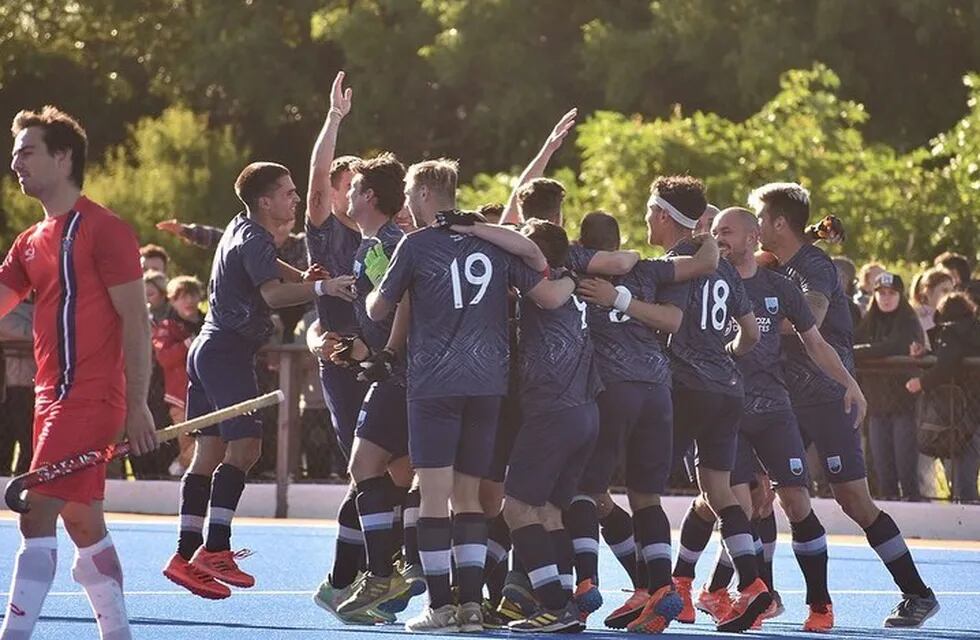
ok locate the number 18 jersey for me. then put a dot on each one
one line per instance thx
(458, 342)
(697, 349)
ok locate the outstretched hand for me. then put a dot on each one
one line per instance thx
(340, 98)
(561, 130)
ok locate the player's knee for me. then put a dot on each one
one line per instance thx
(401, 472)
(855, 500)
(366, 464)
(551, 517)
(38, 523)
(519, 514)
(703, 509)
(795, 502)
(642, 500)
(243, 453)
(604, 504)
(84, 529)
(491, 498)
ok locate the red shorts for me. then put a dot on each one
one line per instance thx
(69, 427)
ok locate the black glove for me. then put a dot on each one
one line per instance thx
(447, 219)
(377, 367)
(343, 355)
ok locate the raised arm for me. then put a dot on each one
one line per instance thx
(318, 195)
(538, 164)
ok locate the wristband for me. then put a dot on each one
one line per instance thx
(623, 299)
(319, 287)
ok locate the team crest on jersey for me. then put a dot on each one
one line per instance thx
(834, 464)
(796, 466)
(772, 305)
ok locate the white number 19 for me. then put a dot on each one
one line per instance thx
(481, 280)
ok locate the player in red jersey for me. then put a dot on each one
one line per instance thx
(92, 346)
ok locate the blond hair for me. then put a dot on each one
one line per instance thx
(184, 284)
(438, 175)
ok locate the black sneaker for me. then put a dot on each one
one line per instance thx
(913, 610)
(543, 620)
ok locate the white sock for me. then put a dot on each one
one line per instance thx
(97, 569)
(33, 575)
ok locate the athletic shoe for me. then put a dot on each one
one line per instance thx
(519, 592)
(397, 605)
(329, 598)
(683, 587)
(511, 610)
(492, 618)
(587, 598)
(820, 618)
(182, 572)
(749, 605)
(221, 565)
(550, 621)
(441, 620)
(413, 575)
(775, 609)
(717, 603)
(371, 592)
(630, 610)
(469, 616)
(662, 607)
(913, 610)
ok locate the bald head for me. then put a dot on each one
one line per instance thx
(740, 216)
(737, 232)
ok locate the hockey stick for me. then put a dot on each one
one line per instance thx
(15, 497)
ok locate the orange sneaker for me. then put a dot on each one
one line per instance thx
(821, 618)
(662, 607)
(750, 604)
(587, 598)
(683, 587)
(717, 603)
(221, 565)
(630, 610)
(182, 572)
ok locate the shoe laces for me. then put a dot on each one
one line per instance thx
(906, 606)
(242, 553)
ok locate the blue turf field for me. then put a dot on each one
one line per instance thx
(290, 560)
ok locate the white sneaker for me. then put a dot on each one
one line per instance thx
(441, 620)
(469, 616)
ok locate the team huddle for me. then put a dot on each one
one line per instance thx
(486, 378)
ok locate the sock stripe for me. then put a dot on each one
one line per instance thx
(189, 522)
(813, 547)
(769, 550)
(688, 555)
(543, 575)
(349, 535)
(470, 555)
(435, 563)
(377, 521)
(891, 550)
(657, 550)
(221, 515)
(740, 544)
(496, 551)
(410, 516)
(585, 545)
(625, 548)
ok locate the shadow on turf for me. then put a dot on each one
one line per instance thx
(163, 622)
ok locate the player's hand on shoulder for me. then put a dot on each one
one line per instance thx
(456, 221)
(597, 291)
(140, 430)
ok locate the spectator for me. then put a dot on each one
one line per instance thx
(866, 283)
(17, 408)
(928, 288)
(889, 329)
(958, 265)
(172, 338)
(847, 274)
(957, 336)
(156, 295)
(154, 258)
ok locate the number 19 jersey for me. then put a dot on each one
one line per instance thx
(697, 349)
(458, 342)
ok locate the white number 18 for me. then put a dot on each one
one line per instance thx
(481, 280)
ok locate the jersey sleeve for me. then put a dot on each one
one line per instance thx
(819, 275)
(398, 276)
(259, 260)
(521, 276)
(117, 253)
(797, 310)
(658, 272)
(579, 258)
(12, 272)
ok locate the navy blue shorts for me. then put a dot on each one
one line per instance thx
(550, 454)
(710, 421)
(383, 419)
(220, 373)
(457, 431)
(344, 396)
(635, 425)
(839, 444)
(772, 439)
(510, 424)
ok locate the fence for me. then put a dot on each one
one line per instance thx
(881, 376)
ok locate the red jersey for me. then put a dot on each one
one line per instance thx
(70, 262)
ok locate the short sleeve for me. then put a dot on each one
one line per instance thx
(579, 258)
(12, 272)
(398, 277)
(818, 276)
(659, 272)
(259, 259)
(797, 310)
(522, 277)
(117, 253)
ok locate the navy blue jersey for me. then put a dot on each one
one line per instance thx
(458, 342)
(579, 258)
(697, 349)
(375, 334)
(814, 272)
(774, 297)
(626, 349)
(332, 246)
(557, 366)
(244, 260)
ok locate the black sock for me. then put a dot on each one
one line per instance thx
(470, 554)
(564, 559)
(374, 509)
(435, 551)
(195, 493)
(349, 549)
(887, 541)
(737, 537)
(760, 554)
(695, 534)
(617, 531)
(410, 519)
(533, 546)
(653, 539)
(766, 528)
(722, 574)
(227, 485)
(582, 523)
(397, 499)
(498, 551)
(810, 549)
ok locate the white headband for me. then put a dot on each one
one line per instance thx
(672, 211)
